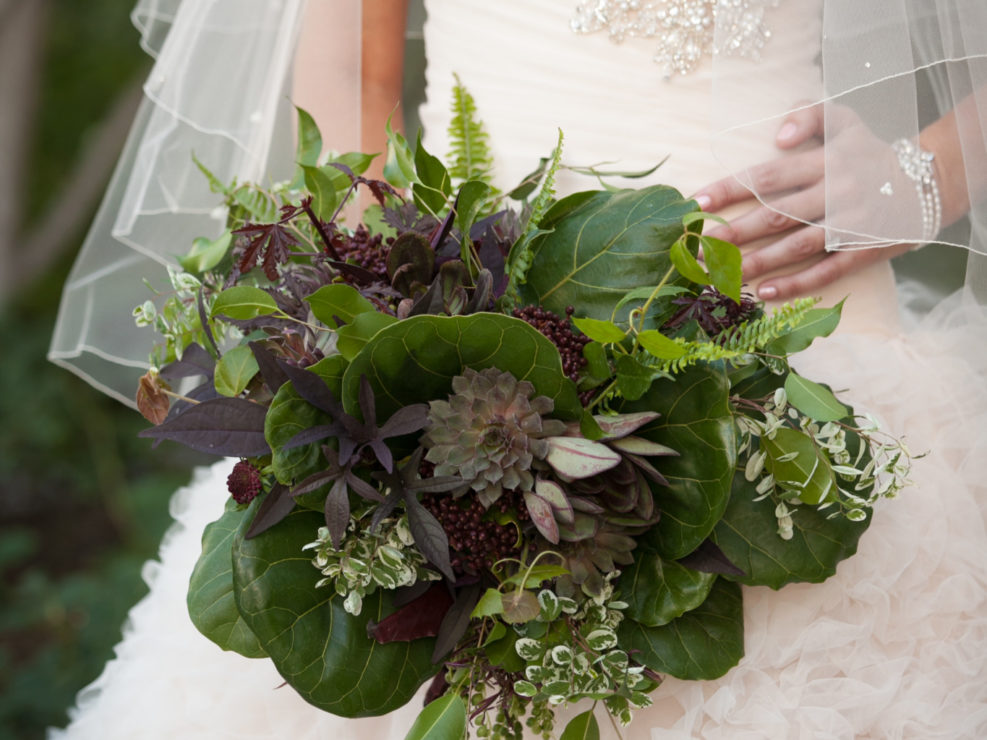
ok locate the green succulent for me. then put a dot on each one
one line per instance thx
(490, 433)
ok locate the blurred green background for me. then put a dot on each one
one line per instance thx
(83, 502)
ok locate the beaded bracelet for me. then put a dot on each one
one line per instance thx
(916, 163)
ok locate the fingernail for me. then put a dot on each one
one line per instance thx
(704, 201)
(787, 131)
(767, 292)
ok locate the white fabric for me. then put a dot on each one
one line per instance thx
(216, 91)
(894, 646)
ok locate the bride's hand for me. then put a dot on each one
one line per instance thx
(798, 182)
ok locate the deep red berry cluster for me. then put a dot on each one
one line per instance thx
(559, 332)
(366, 250)
(476, 541)
(244, 482)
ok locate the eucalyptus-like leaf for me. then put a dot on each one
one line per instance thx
(442, 719)
(723, 262)
(338, 302)
(813, 399)
(320, 185)
(320, 649)
(243, 302)
(235, 370)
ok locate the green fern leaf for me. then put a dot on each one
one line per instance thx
(469, 155)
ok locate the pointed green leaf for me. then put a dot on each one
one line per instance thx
(723, 262)
(243, 302)
(235, 370)
(818, 322)
(309, 140)
(442, 719)
(604, 332)
(633, 378)
(206, 253)
(415, 360)
(320, 185)
(702, 644)
(338, 300)
(472, 198)
(582, 727)
(490, 604)
(657, 591)
(316, 646)
(814, 400)
(211, 605)
(433, 186)
(687, 264)
(596, 361)
(399, 167)
(600, 245)
(808, 475)
(660, 346)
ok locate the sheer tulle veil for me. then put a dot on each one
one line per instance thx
(220, 89)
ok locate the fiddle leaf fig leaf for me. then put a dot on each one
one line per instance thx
(657, 591)
(243, 302)
(235, 370)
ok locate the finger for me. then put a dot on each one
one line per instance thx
(799, 126)
(824, 272)
(778, 175)
(792, 249)
(798, 208)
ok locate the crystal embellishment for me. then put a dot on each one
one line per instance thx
(684, 29)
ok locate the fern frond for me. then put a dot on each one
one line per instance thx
(743, 340)
(469, 155)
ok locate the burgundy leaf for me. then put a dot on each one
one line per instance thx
(362, 488)
(317, 480)
(383, 453)
(274, 376)
(437, 688)
(310, 435)
(232, 427)
(445, 227)
(429, 536)
(337, 511)
(419, 618)
(276, 506)
(273, 240)
(195, 361)
(709, 558)
(455, 622)
(361, 274)
(312, 388)
(347, 448)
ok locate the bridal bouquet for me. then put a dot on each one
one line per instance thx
(525, 452)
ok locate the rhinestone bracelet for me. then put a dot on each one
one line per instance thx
(916, 163)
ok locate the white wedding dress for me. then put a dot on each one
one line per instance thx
(893, 646)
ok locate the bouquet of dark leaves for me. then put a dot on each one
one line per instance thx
(524, 448)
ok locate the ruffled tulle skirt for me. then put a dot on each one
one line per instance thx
(893, 646)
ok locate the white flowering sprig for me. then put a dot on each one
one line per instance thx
(385, 557)
(881, 474)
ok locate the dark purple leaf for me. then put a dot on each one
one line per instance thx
(232, 427)
(647, 468)
(480, 301)
(367, 402)
(455, 622)
(429, 536)
(383, 454)
(317, 480)
(445, 227)
(312, 434)
(272, 240)
(274, 376)
(277, 504)
(440, 484)
(337, 511)
(362, 488)
(419, 618)
(386, 507)
(437, 688)
(347, 448)
(709, 558)
(313, 389)
(360, 274)
(195, 361)
(406, 594)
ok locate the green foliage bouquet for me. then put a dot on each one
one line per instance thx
(531, 451)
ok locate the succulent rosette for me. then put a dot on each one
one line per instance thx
(527, 453)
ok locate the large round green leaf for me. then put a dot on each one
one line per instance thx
(657, 591)
(323, 652)
(696, 422)
(290, 414)
(747, 534)
(415, 360)
(600, 245)
(210, 593)
(701, 644)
